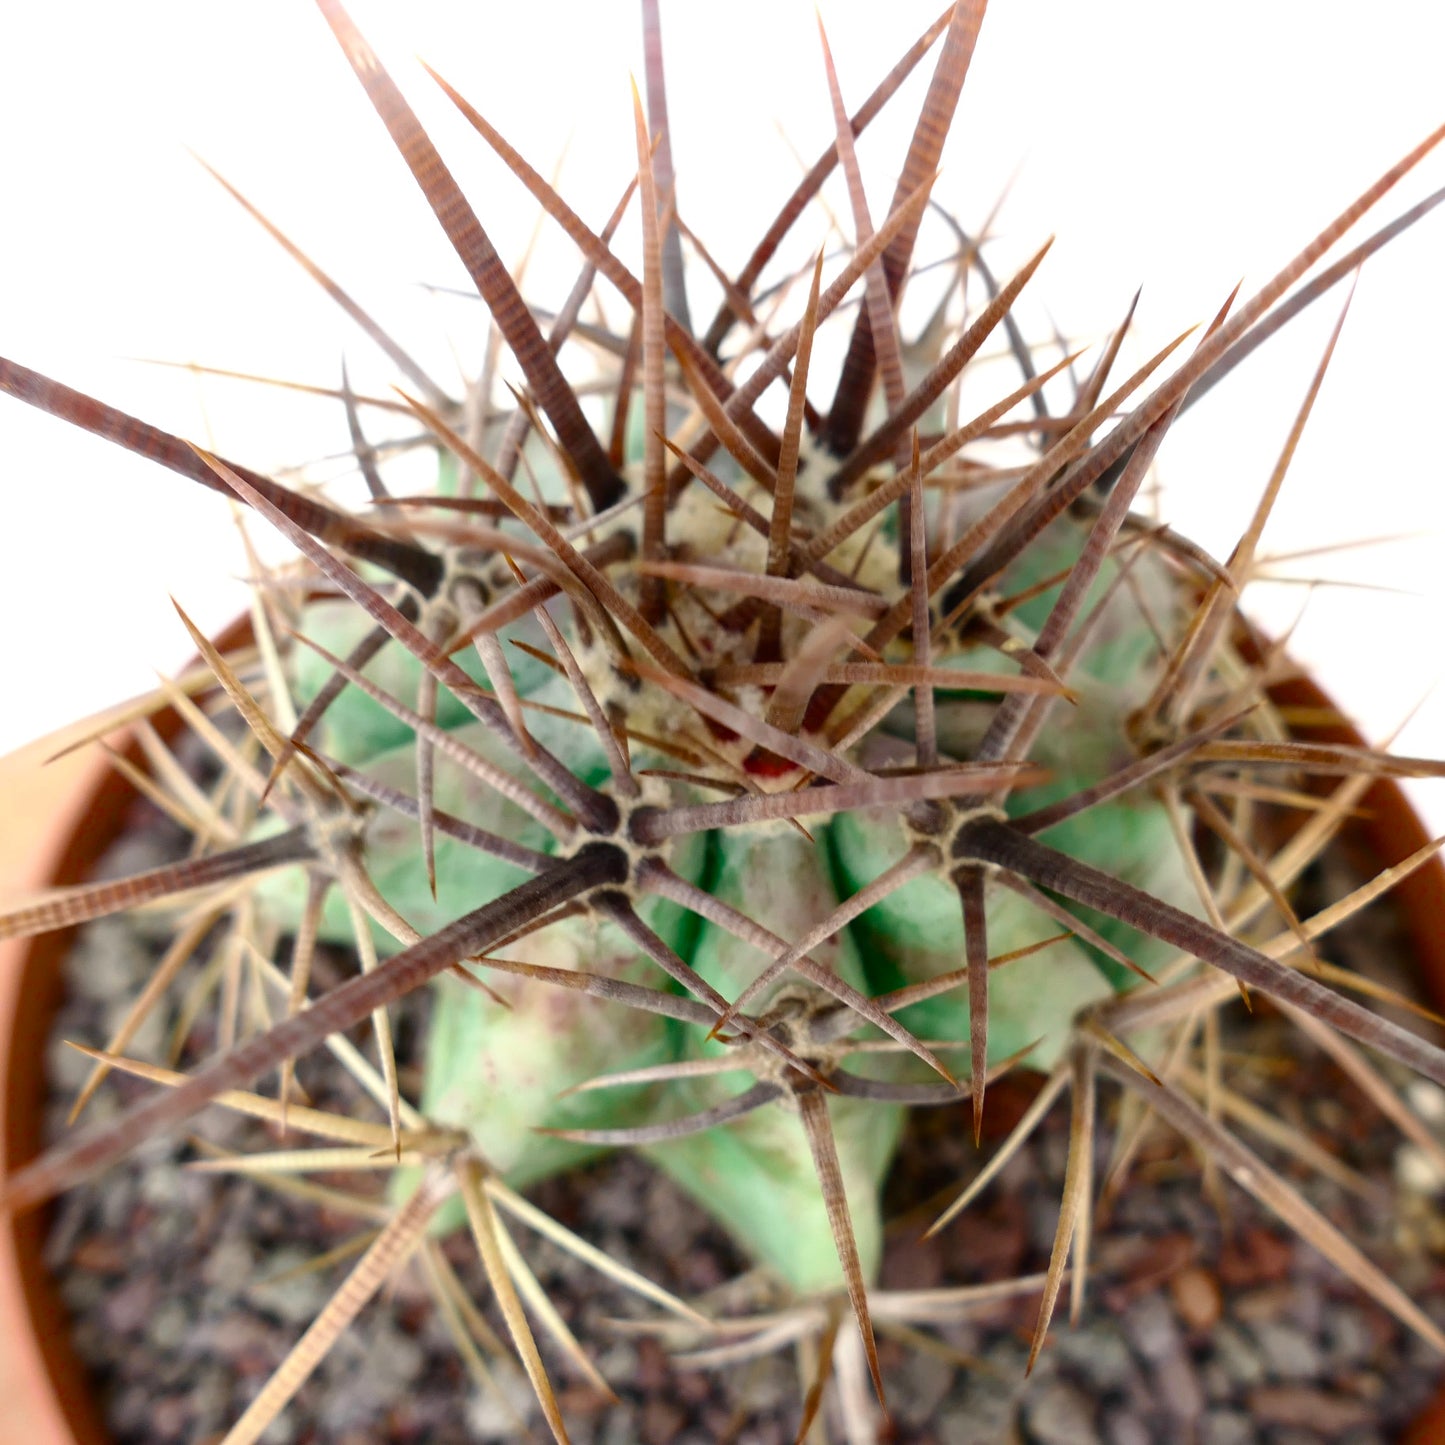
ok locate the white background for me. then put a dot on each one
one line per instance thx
(1177, 147)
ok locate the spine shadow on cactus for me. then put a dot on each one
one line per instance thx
(754, 987)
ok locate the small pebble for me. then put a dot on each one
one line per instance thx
(171, 1417)
(160, 1183)
(1427, 1099)
(1418, 1172)
(1219, 1386)
(1099, 1354)
(1180, 1390)
(1346, 1336)
(961, 1425)
(1197, 1299)
(1261, 1305)
(288, 1291)
(617, 1362)
(1255, 1256)
(495, 1414)
(1123, 1427)
(230, 1266)
(1307, 1309)
(1059, 1413)
(128, 1306)
(1289, 1353)
(661, 1422)
(167, 1327)
(1151, 1329)
(99, 1255)
(1306, 1409)
(1227, 1427)
(619, 1429)
(922, 1382)
(105, 962)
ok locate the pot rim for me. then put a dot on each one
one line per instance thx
(55, 1403)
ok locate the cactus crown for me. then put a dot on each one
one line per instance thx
(744, 785)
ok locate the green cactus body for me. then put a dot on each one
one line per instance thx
(756, 1175)
(357, 728)
(505, 1066)
(916, 934)
(394, 858)
(496, 1069)
(502, 1072)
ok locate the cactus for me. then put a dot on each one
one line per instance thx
(740, 785)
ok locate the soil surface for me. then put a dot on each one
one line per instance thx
(1216, 1327)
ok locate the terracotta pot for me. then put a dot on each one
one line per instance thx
(66, 818)
(79, 806)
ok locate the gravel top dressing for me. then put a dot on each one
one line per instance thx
(187, 1289)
